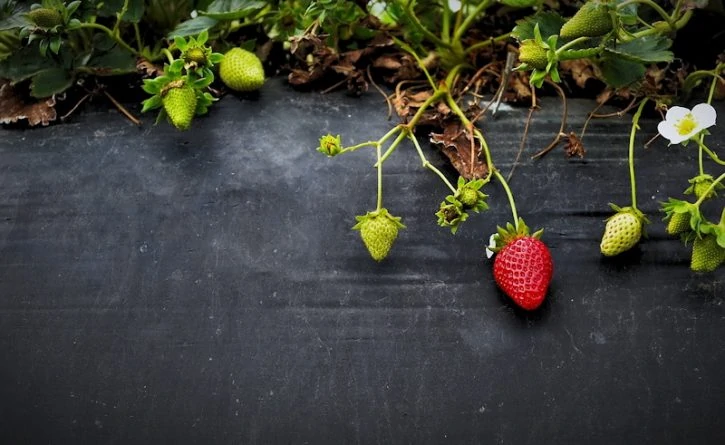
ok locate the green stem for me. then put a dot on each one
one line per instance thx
(168, 55)
(457, 110)
(110, 34)
(486, 43)
(709, 101)
(487, 153)
(139, 43)
(635, 127)
(379, 166)
(392, 147)
(674, 26)
(119, 15)
(710, 153)
(428, 165)
(458, 32)
(428, 102)
(709, 189)
(669, 19)
(510, 196)
(571, 44)
(361, 145)
(408, 10)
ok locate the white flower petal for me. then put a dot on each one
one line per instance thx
(491, 243)
(674, 114)
(705, 115)
(668, 131)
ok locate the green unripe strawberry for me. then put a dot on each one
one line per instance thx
(196, 55)
(678, 223)
(592, 20)
(468, 197)
(45, 17)
(707, 254)
(622, 232)
(533, 54)
(378, 230)
(180, 105)
(241, 70)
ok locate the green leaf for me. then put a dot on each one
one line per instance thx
(647, 49)
(628, 14)
(521, 3)
(193, 27)
(113, 62)
(15, 17)
(232, 9)
(181, 43)
(151, 103)
(133, 14)
(550, 24)
(24, 64)
(619, 72)
(49, 82)
(55, 42)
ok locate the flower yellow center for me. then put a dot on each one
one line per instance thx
(686, 125)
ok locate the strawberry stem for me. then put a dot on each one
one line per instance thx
(428, 165)
(710, 153)
(701, 140)
(709, 189)
(510, 196)
(379, 166)
(635, 127)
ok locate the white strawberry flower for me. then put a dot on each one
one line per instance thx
(454, 5)
(491, 244)
(681, 124)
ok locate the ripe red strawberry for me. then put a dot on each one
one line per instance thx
(523, 267)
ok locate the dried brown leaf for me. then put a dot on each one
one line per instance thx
(574, 146)
(581, 70)
(147, 68)
(13, 108)
(456, 144)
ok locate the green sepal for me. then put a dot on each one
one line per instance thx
(510, 233)
(673, 206)
(451, 214)
(383, 212)
(636, 212)
(706, 178)
(152, 103)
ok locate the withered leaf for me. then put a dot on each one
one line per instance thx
(461, 149)
(574, 146)
(581, 70)
(147, 68)
(13, 108)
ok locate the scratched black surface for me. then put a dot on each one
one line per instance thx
(204, 287)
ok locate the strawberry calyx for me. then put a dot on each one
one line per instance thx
(510, 233)
(700, 184)
(380, 213)
(674, 207)
(631, 210)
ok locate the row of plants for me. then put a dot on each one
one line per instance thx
(440, 59)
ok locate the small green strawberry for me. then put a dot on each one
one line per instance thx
(533, 54)
(699, 185)
(707, 254)
(622, 231)
(45, 17)
(180, 104)
(378, 230)
(241, 70)
(592, 20)
(678, 223)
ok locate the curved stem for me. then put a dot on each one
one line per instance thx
(428, 102)
(169, 56)
(119, 16)
(652, 5)
(710, 153)
(458, 33)
(139, 42)
(510, 196)
(486, 152)
(428, 165)
(392, 148)
(635, 127)
(674, 26)
(486, 43)
(408, 10)
(110, 34)
(706, 193)
(379, 166)
(361, 145)
(709, 100)
(571, 44)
